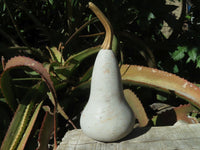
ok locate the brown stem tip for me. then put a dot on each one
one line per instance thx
(107, 43)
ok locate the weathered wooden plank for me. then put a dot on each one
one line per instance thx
(180, 137)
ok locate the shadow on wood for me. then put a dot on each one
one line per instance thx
(179, 137)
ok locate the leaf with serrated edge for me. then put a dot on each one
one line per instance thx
(137, 107)
(45, 130)
(182, 113)
(161, 80)
(14, 128)
(38, 67)
(29, 127)
(176, 114)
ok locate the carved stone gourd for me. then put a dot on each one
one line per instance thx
(107, 116)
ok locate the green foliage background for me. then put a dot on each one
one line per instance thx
(29, 27)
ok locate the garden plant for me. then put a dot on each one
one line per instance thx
(48, 49)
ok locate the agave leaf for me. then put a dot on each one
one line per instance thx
(161, 80)
(87, 75)
(38, 67)
(58, 106)
(46, 129)
(17, 127)
(20, 116)
(61, 111)
(73, 61)
(5, 119)
(7, 90)
(56, 55)
(136, 107)
(180, 113)
(114, 44)
(61, 72)
(29, 127)
(28, 62)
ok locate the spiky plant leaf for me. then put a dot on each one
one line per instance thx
(161, 80)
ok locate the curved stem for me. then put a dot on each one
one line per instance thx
(107, 43)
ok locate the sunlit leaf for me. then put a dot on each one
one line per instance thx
(74, 61)
(192, 55)
(56, 55)
(136, 107)
(179, 53)
(161, 80)
(51, 2)
(198, 62)
(175, 69)
(17, 127)
(29, 127)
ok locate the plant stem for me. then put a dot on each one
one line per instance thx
(107, 43)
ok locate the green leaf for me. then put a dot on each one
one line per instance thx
(61, 71)
(51, 2)
(17, 127)
(151, 16)
(56, 55)
(87, 75)
(7, 90)
(29, 127)
(179, 53)
(74, 61)
(192, 55)
(188, 17)
(114, 44)
(198, 62)
(5, 119)
(161, 97)
(18, 124)
(175, 69)
(83, 54)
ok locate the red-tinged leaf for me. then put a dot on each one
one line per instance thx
(35, 65)
(170, 117)
(17, 62)
(38, 67)
(161, 80)
(46, 129)
(182, 113)
(137, 107)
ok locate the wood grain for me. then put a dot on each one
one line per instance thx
(179, 137)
